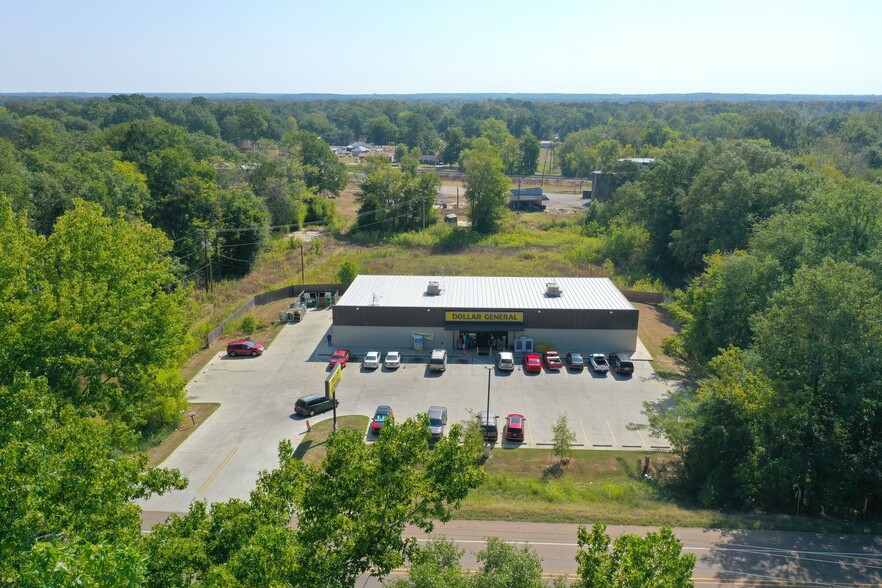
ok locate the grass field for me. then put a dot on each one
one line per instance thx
(312, 447)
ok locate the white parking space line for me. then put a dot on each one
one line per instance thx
(611, 433)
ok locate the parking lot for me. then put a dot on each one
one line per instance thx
(223, 457)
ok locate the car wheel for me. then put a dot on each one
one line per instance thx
(232, 353)
(312, 413)
(253, 354)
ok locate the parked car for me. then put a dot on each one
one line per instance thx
(532, 363)
(340, 356)
(313, 404)
(243, 347)
(437, 421)
(383, 414)
(514, 427)
(505, 361)
(621, 363)
(487, 424)
(598, 363)
(392, 361)
(438, 360)
(575, 361)
(371, 360)
(552, 360)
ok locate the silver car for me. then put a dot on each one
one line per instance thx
(392, 361)
(437, 421)
(371, 360)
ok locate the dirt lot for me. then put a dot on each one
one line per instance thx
(656, 326)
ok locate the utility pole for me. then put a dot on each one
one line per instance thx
(424, 212)
(302, 279)
(206, 260)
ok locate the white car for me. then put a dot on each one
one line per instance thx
(506, 361)
(598, 363)
(392, 361)
(371, 360)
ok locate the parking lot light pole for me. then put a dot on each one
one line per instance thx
(489, 371)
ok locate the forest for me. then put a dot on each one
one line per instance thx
(760, 220)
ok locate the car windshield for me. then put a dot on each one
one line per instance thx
(433, 422)
(380, 418)
(392, 356)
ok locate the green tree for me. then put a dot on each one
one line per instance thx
(563, 438)
(528, 151)
(722, 431)
(392, 201)
(246, 230)
(381, 131)
(351, 513)
(716, 308)
(252, 122)
(454, 143)
(833, 423)
(97, 285)
(323, 171)
(487, 190)
(437, 565)
(635, 562)
(347, 273)
(416, 130)
(66, 510)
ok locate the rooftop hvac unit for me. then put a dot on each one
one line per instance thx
(434, 289)
(552, 290)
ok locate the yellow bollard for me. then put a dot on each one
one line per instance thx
(308, 428)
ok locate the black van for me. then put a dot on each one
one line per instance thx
(314, 403)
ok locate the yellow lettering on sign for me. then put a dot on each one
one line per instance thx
(333, 379)
(516, 317)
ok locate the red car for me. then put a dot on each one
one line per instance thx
(532, 363)
(552, 360)
(340, 356)
(514, 427)
(384, 413)
(244, 347)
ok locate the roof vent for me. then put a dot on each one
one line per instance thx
(434, 289)
(552, 290)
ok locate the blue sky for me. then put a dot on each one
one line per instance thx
(414, 46)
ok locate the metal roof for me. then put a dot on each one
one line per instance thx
(463, 292)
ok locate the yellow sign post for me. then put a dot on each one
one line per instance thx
(331, 388)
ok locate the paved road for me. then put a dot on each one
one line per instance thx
(723, 558)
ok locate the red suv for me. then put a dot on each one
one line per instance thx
(514, 427)
(243, 347)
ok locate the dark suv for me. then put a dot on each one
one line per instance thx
(621, 364)
(487, 425)
(314, 403)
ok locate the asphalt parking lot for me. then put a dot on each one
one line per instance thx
(223, 457)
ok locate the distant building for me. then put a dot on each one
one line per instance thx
(546, 144)
(602, 185)
(451, 218)
(527, 199)
(637, 160)
(429, 159)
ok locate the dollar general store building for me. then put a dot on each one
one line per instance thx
(586, 315)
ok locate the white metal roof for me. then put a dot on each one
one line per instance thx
(509, 293)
